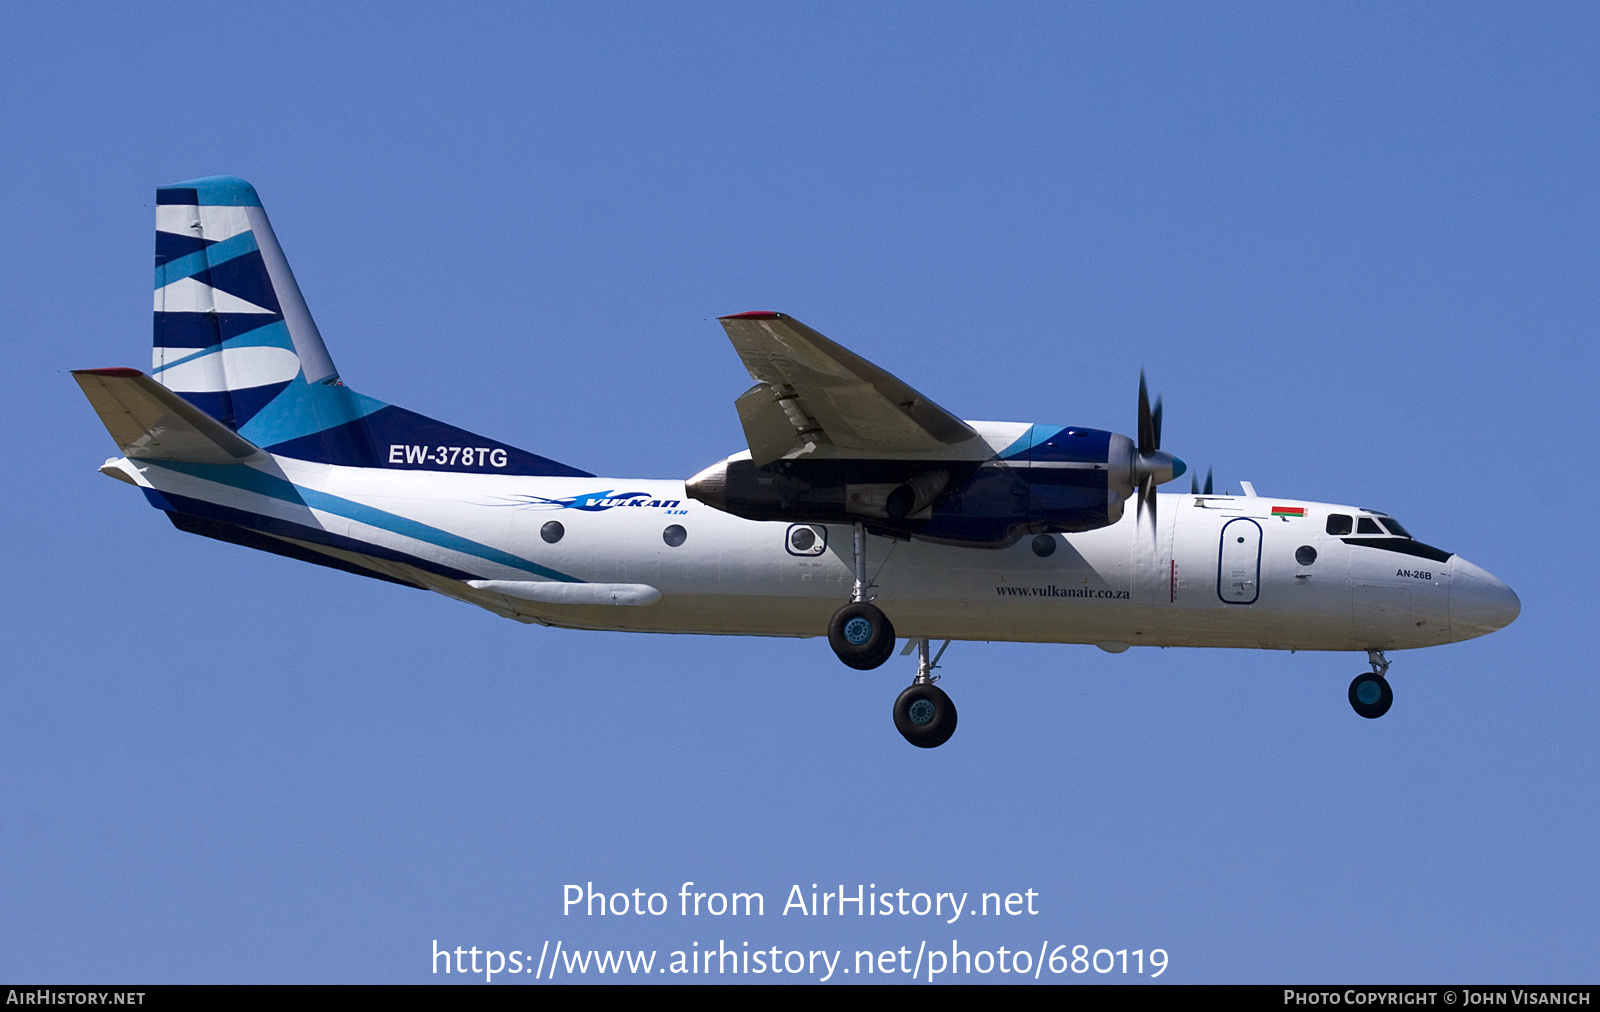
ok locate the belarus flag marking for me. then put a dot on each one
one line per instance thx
(1288, 511)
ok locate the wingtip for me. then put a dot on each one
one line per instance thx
(759, 314)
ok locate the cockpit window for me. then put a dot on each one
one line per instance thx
(1367, 525)
(1338, 523)
(1394, 527)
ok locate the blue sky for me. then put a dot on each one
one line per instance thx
(1354, 245)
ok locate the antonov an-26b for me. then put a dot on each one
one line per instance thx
(861, 509)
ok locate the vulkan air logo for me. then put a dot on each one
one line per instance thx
(594, 502)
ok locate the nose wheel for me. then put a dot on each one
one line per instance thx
(1370, 694)
(923, 714)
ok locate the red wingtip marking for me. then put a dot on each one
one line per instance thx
(759, 315)
(107, 372)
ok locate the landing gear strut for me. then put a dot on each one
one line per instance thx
(923, 714)
(1370, 695)
(860, 633)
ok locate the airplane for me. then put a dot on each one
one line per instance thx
(860, 510)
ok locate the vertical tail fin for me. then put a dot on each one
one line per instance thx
(231, 328)
(234, 338)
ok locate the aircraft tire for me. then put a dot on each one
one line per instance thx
(862, 635)
(925, 716)
(1370, 695)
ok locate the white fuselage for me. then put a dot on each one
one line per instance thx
(1216, 571)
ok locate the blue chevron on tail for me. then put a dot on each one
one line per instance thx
(234, 338)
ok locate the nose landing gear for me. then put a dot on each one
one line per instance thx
(923, 714)
(1370, 695)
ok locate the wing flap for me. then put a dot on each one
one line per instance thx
(768, 429)
(855, 404)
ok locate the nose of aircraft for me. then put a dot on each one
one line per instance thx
(1479, 602)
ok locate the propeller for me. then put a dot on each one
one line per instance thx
(1149, 421)
(1153, 467)
(1194, 483)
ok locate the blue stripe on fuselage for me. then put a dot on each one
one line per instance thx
(249, 479)
(181, 505)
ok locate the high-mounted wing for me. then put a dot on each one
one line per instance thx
(811, 390)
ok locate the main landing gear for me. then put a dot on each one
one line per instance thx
(863, 637)
(860, 633)
(923, 714)
(1370, 695)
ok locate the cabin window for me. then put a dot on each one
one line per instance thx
(1367, 525)
(674, 536)
(552, 531)
(1338, 524)
(1044, 545)
(1305, 555)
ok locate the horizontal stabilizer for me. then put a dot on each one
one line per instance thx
(553, 592)
(150, 422)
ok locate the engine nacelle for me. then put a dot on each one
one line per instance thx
(1053, 480)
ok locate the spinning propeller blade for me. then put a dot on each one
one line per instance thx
(1147, 500)
(1153, 466)
(1149, 422)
